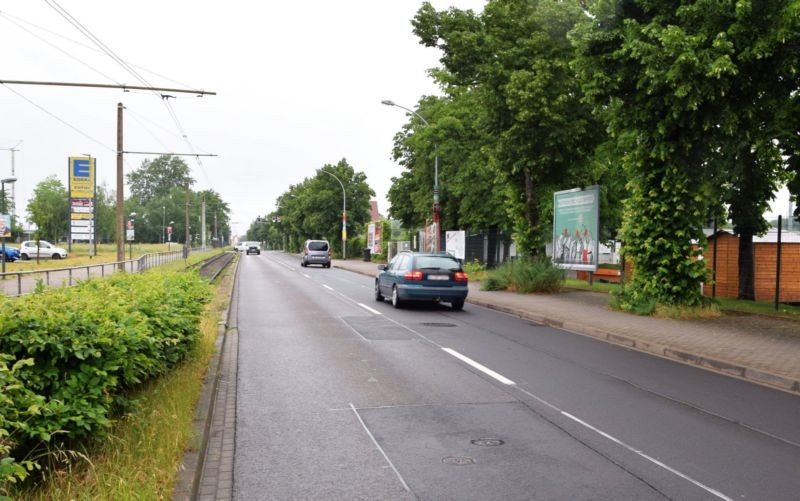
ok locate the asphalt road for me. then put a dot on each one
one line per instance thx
(341, 397)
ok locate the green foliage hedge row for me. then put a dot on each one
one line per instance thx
(525, 275)
(68, 354)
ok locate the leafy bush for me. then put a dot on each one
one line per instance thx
(17, 405)
(525, 275)
(475, 269)
(84, 345)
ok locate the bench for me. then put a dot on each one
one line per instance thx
(609, 275)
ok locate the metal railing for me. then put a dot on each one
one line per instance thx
(17, 283)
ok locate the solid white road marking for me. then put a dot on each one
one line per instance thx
(374, 312)
(507, 381)
(649, 458)
(327, 287)
(480, 367)
(400, 477)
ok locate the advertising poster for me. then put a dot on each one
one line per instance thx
(576, 222)
(376, 244)
(456, 243)
(5, 225)
(81, 198)
(371, 237)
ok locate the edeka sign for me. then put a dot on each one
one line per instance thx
(576, 224)
(81, 177)
(81, 198)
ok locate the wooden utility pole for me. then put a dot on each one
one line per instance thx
(120, 150)
(120, 194)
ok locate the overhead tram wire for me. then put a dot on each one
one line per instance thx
(110, 53)
(43, 109)
(63, 51)
(18, 21)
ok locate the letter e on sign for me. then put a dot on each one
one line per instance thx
(80, 168)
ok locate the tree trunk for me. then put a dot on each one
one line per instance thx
(746, 267)
(532, 212)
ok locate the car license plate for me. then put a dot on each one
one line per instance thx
(438, 277)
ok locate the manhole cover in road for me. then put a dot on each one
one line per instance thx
(487, 442)
(458, 460)
(437, 324)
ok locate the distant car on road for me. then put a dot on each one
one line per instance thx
(33, 248)
(422, 276)
(316, 252)
(253, 248)
(12, 254)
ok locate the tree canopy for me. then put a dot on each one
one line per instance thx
(159, 191)
(48, 209)
(313, 209)
(690, 94)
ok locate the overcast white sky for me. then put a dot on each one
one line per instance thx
(299, 85)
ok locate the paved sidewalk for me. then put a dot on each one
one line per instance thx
(762, 349)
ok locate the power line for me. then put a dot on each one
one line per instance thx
(99, 43)
(165, 99)
(56, 47)
(59, 119)
(12, 19)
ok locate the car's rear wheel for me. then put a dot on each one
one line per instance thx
(396, 301)
(458, 304)
(378, 295)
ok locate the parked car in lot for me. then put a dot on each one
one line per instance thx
(422, 276)
(12, 254)
(316, 252)
(33, 248)
(253, 248)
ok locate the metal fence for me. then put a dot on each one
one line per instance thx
(17, 283)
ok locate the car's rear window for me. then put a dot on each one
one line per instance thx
(318, 246)
(440, 262)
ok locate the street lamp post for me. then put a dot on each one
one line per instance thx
(344, 215)
(163, 223)
(3, 183)
(388, 102)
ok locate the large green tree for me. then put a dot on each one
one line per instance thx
(159, 191)
(105, 214)
(679, 86)
(157, 178)
(472, 192)
(313, 208)
(48, 209)
(515, 57)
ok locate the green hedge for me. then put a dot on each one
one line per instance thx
(68, 354)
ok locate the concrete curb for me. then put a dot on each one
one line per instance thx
(698, 360)
(719, 366)
(187, 483)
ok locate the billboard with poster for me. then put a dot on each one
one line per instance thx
(576, 224)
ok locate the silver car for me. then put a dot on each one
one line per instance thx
(316, 252)
(33, 248)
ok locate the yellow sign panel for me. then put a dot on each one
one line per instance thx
(81, 177)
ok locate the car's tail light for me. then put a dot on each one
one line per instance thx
(305, 252)
(413, 275)
(329, 253)
(460, 276)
